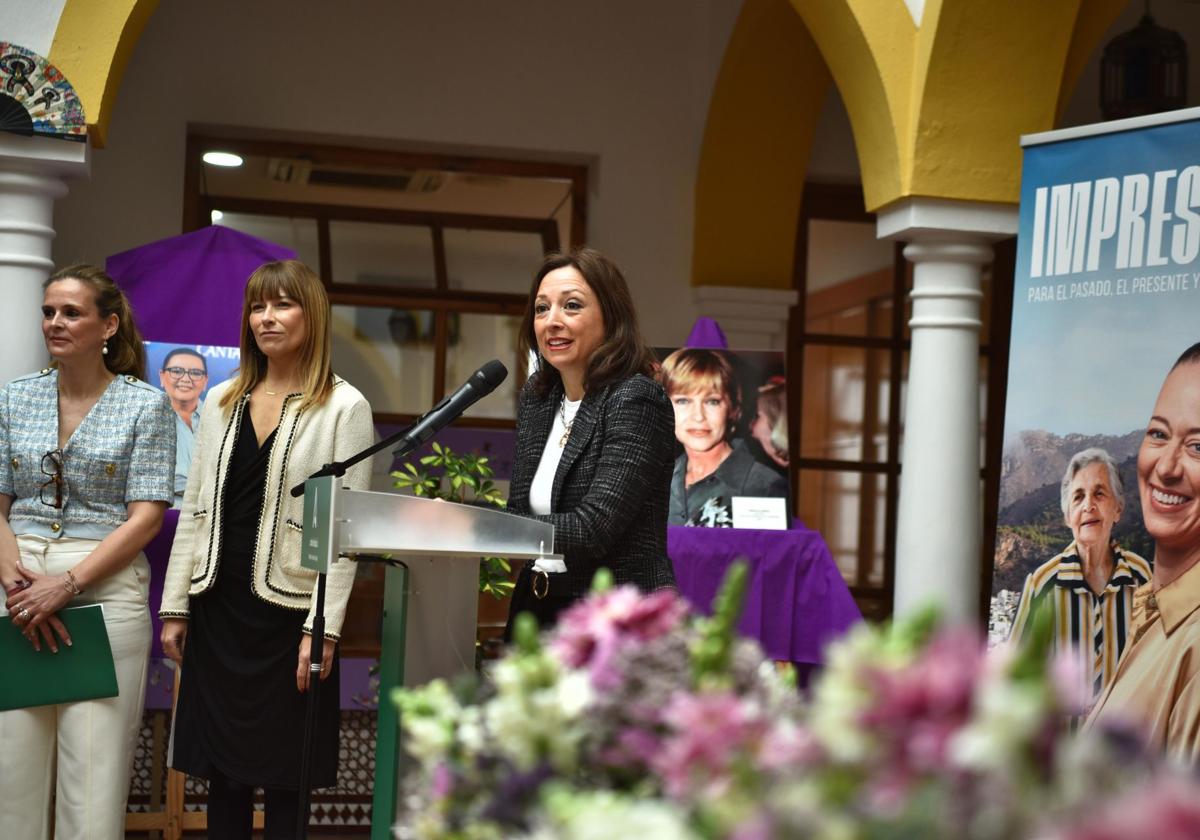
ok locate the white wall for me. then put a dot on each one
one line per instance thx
(623, 85)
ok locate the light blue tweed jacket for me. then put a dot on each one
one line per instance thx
(123, 451)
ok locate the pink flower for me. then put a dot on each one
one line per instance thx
(918, 709)
(710, 732)
(441, 784)
(591, 633)
(1164, 809)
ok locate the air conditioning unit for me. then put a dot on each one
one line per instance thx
(303, 172)
(289, 170)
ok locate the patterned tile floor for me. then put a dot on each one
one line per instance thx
(346, 810)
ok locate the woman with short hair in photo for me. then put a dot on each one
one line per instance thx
(715, 466)
(1088, 587)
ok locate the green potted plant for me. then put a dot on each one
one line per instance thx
(467, 479)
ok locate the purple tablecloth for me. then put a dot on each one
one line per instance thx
(796, 600)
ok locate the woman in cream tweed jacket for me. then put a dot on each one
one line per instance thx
(305, 442)
(235, 591)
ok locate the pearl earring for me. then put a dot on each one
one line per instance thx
(104, 349)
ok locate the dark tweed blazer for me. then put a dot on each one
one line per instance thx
(609, 501)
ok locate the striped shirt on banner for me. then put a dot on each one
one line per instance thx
(1094, 625)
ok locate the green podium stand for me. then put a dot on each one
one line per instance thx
(431, 594)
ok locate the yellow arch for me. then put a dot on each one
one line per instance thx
(92, 46)
(938, 110)
(761, 119)
(868, 47)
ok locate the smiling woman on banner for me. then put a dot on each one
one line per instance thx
(86, 455)
(1157, 684)
(1089, 586)
(237, 605)
(593, 454)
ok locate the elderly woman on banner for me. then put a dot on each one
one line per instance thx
(1157, 683)
(715, 465)
(593, 454)
(87, 451)
(1090, 585)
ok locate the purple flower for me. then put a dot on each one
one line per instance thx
(593, 632)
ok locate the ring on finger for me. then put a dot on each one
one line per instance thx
(25, 614)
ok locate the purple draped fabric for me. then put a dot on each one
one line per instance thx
(707, 333)
(796, 600)
(188, 289)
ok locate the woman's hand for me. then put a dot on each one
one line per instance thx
(173, 636)
(12, 580)
(302, 669)
(33, 608)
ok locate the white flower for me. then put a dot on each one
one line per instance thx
(603, 815)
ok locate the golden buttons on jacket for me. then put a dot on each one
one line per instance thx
(16, 464)
(130, 379)
(110, 468)
(55, 527)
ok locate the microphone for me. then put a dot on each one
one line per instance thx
(481, 383)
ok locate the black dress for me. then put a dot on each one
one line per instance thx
(239, 712)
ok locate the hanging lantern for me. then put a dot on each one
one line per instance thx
(1143, 71)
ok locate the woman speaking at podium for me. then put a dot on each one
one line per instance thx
(236, 604)
(595, 438)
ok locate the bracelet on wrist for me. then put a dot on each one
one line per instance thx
(70, 584)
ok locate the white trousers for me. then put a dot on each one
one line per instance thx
(81, 752)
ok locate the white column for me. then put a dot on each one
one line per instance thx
(32, 173)
(938, 540)
(752, 318)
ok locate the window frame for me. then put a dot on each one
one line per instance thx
(441, 300)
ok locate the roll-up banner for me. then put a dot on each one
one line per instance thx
(1106, 299)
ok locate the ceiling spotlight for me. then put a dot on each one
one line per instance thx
(222, 158)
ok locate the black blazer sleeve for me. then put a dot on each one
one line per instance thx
(609, 503)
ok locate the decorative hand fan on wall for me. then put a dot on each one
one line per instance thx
(36, 98)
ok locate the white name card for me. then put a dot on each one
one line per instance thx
(765, 512)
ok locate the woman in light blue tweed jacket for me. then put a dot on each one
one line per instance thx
(86, 470)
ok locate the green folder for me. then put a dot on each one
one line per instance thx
(82, 671)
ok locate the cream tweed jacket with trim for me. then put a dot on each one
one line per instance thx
(306, 441)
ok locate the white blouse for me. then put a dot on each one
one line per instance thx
(543, 480)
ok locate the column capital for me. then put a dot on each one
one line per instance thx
(919, 219)
(45, 156)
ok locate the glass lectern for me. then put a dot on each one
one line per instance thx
(431, 594)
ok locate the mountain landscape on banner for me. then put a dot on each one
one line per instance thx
(1030, 528)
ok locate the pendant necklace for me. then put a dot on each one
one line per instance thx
(567, 424)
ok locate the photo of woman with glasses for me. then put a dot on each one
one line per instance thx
(87, 451)
(184, 376)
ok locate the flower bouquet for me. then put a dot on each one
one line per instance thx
(636, 718)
